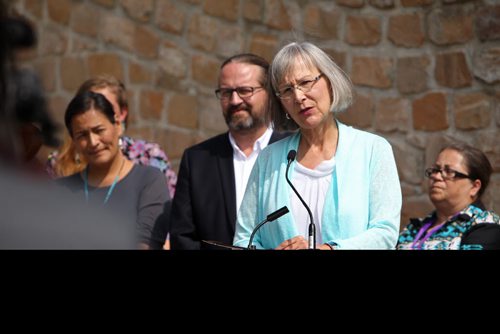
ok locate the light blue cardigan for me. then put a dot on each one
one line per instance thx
(363, 211)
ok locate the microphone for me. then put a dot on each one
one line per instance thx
(273, 216)
(312, 228)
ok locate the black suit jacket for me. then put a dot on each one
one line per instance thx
(204, 205)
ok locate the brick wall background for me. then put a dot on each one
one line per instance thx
(425, 71)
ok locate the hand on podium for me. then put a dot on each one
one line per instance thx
(299, 242)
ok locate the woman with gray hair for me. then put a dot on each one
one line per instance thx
(347, 177)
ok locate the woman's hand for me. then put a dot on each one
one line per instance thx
(298, 242)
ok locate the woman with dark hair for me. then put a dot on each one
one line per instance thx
(457, 181)
(110, 179)
(65, 161)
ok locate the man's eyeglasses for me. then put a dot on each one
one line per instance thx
(304, 86)
(243, 92)
(446, 173)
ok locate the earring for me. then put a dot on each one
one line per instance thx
(77, 159)
(287, 116)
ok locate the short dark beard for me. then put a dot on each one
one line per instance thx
(249, 123)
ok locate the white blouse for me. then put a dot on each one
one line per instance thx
(312, 185)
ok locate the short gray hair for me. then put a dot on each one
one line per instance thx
(313, 57)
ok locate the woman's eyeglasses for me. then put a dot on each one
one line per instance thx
(304, 86)
(446, 172)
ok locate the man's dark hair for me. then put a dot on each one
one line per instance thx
(253, 59)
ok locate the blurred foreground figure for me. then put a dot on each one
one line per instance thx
(36, 214)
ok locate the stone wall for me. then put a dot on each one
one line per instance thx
(426, 71)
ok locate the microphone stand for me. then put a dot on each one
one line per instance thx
(312, 227)
(273, 216)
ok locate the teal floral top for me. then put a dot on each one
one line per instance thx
(140, 152)
(470, 229)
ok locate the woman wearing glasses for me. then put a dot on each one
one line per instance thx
(457, 181)
(350, 197)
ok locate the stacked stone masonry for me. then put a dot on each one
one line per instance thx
(426, 72)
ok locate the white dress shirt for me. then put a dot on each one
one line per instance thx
(243, 165)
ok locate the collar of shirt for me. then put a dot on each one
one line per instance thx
(258, 146)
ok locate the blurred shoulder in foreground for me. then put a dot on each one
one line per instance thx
(35, 213)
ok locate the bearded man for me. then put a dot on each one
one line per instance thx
(213, 174)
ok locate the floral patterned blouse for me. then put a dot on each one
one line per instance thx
(140, 152)
(471, 228)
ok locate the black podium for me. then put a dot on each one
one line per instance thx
(221, 245)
